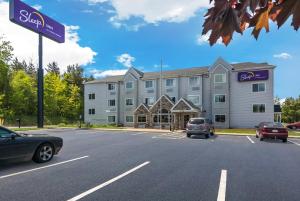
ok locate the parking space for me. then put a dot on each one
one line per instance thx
(121, 165)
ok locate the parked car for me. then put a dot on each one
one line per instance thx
(294, 126)
(199, 126)
(40, 148)
(271, 130)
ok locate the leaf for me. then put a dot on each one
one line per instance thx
(261, 20)
(283, 10)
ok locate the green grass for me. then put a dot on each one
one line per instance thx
(108, 126)
(236, 130)
(24, 129)
(250, 131)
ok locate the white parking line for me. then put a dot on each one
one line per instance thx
(294, 143)
(250, 140)
(47, 166)
(222, 186)
(84, 194)
(143, 133)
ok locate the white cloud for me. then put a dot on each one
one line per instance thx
(126, 60)
(281, 101)
(87, 11)
(25, 44)
(153, 11)
(100, 74)
(283, 55)
(203, 39)
(37, 7)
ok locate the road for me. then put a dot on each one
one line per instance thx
(118, 165)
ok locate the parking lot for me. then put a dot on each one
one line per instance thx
(117, 165)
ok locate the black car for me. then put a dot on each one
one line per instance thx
(39, 148)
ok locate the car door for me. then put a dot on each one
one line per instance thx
(11, 145)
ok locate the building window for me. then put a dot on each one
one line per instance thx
(173, 99)
(92, 111)
(111, 119)
(149, 84)
(142, 119)
(259, 87)
(220, 99)
(129, 101)
(220, 78)
(111, 87)
(220, 118)
(129, 119)
(112, 103)
(149, 101)
(194, 99)
(92, 96)
(259, 108)
(169, 82)
(129, 85)
(194, 81)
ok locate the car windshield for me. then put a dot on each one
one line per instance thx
(273, 125)
(196, 121)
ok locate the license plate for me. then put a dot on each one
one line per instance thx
(275, 131)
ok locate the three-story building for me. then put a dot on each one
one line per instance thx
(231, 95)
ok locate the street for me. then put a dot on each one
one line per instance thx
(120, 165)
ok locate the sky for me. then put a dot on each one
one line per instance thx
(107, 37)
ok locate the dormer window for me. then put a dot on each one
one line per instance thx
(220, 78)
(129, 85)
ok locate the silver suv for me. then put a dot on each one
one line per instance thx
(199, 126)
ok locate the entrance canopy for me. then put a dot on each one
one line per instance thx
(185, 106)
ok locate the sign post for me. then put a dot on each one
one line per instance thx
(40, 91)
(30, 18)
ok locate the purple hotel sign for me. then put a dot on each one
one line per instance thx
(28, 17)
(253, 75)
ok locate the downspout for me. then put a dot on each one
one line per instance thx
(118, 109)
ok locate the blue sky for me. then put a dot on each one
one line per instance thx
(122, 36)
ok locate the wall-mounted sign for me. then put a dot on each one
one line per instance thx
(253, 75)
(28, 17)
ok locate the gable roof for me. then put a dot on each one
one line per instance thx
(193, 108)
(141, 105)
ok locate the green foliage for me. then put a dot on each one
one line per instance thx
(63, 94)
(23, 94)
(291, 110)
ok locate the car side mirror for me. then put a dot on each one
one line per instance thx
(13, 136)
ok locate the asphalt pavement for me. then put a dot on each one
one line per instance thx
(121, 165)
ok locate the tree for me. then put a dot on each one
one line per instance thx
(6, 55)
(229, 16)
(6, 50)
(53, 68)
(23, 94)
(291, 110)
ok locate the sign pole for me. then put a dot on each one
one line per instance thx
(40, 91)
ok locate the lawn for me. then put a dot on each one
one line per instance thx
(249, 131)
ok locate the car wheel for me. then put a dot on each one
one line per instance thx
(44, 153)
(284, 140)
(188, 135)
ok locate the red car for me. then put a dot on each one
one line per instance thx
(271, 130)
(294, 126)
